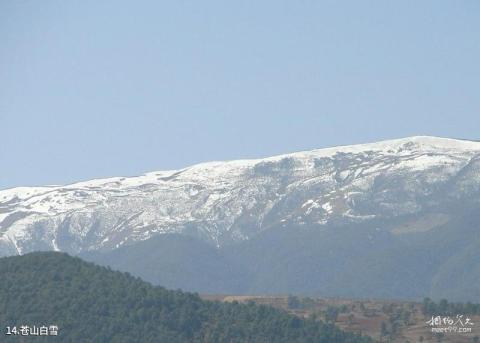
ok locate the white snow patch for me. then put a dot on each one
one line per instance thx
(328, 207)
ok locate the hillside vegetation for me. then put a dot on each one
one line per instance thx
(95, 304)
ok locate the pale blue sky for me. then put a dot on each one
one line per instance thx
(108, 88)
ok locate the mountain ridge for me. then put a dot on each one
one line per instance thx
(230, 201)
(336, 148)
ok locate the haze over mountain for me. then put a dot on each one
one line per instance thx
(388, 219)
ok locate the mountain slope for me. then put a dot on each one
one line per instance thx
(362, 261)
(92, 304)
(395, 219)
(228, 202)
(178, 261)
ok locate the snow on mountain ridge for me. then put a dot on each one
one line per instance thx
(231, 200)
(387, 146)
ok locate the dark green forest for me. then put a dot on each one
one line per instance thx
(90, 303)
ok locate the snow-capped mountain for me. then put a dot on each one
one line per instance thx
(228, 202)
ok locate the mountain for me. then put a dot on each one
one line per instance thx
(89, 303)
(397, 219)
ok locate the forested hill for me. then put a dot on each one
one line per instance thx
(89, 303)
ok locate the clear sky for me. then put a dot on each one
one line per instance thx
(110, 88)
